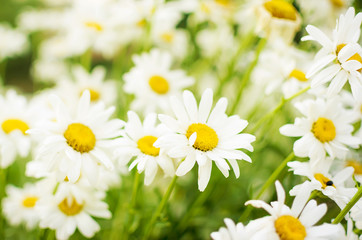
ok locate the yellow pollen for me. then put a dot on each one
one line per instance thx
(145, 144)
(281, 9)
(206, 137)
(289, 228)
(324, 180)
(337, 3)
(324, 130)
(167, 37)
(356, 56)
(29, 202)
(159, 84)
(71, 210)
(224, 3)
(14, 124)
(299, 75)
(356, 165)
(94, 25)
(80, 137)
(94, 95)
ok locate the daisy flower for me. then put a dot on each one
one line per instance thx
(332, 186)
(339, 60)
(78, 141)
(326, 128)
(13, 42)
(277, 19)
(138, 142)
(19, 205)
(65, 211)
(94, 82)
(17, 116)
(296, 222)
(204, 136)
(233, 231)
(152, 81)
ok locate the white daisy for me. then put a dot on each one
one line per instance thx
(19, 205)
(277, 19)
(204, 136)
(99, 88)
(66, 211)
(320, 179)
(339, 59)
(17, 116)
(81, 140)
(13, 42)
(296, 222)
(326, 128)
(233, 231)
(152, 81)
(138, 142)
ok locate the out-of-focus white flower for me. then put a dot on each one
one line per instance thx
(100, 89)
(71, 208)
(277, 19)
(152, 81)
(325, 128)
(13, 42)
(332, 186)
(18, 115)
(49, 70)
(339, 60)
(296, 222)
(202, 135)
(138, 142)
(19, 205)
(78, 140)
(232, 231)
(322, 13)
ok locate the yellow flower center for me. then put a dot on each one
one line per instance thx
(281, 9)
(94, 25)
(206, 137)
(72, 209)
(337, 3)
(323, 180)
(94, 95)
(142, 23)
(167, 37)
(145, 144)
(356, 56)
(224, 3)
(356, 165)
(158, 84)
(289, 228)
(299, 75)
(80, 137)
(324, 130)
(14, 124)
(29, 202)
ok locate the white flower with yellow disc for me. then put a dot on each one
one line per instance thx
(95, 82)
(152, 81)
(138, 142)
(71, 209)
(325, 128)
(202, 135)
(17, 116)
(19, 205)
(340, 59)
(78, 141)
(320, 179)
(296, 222)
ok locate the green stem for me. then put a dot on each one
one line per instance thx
(275, 110)
(348, 207)
(3, 65)
(267, 184)
(2, 195)
(160, 208)
(132, 206)
(86, 59)
(230, 71)
(246, 76)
